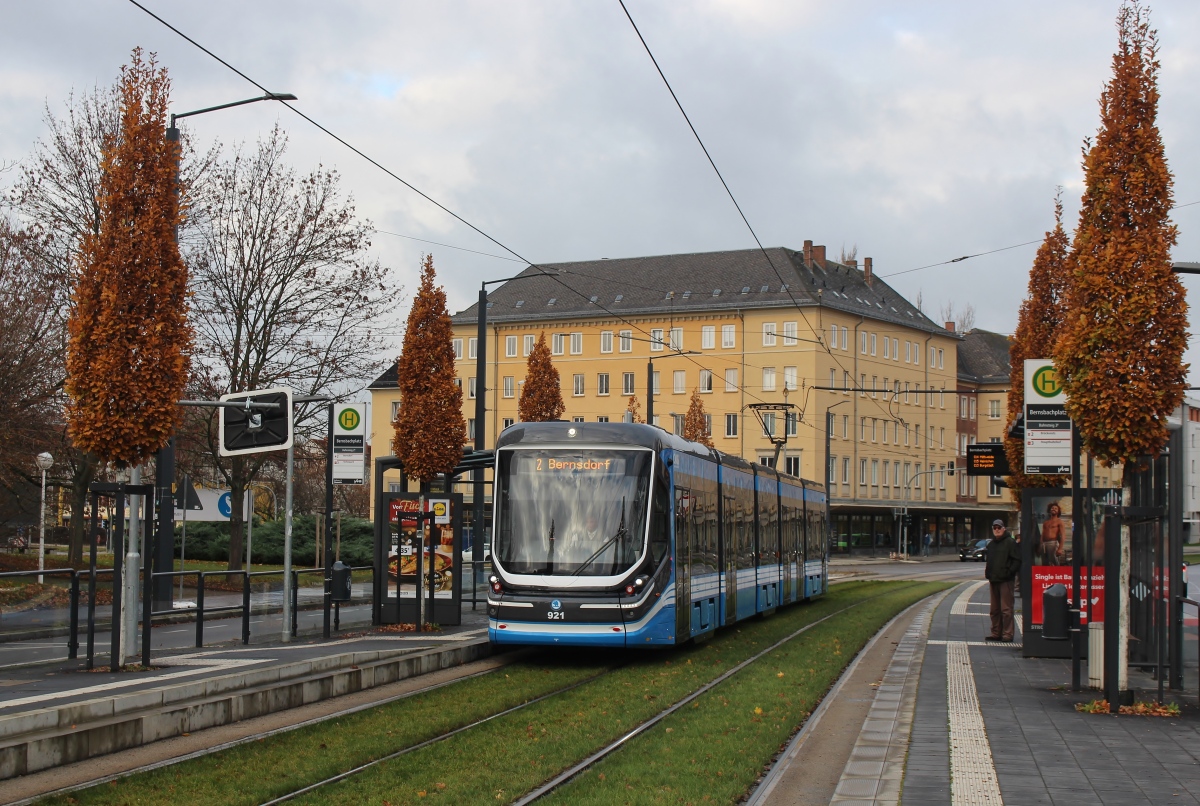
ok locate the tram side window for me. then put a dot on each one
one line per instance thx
(660, 512)
(684, 502)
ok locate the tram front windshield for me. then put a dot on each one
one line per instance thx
(574, 513)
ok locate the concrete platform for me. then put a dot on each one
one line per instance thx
(68, 714)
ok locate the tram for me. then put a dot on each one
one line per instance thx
(624, 535)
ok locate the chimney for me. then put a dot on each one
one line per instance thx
(852, 262)
(818, 255)
(868, 275)
(808, 254)
(950, 326)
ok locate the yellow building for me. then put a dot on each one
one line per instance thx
(742, 327)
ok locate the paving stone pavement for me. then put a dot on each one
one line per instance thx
(1042, 749)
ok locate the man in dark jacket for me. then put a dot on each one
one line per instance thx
(1003, 563)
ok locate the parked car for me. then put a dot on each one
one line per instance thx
(976, 551)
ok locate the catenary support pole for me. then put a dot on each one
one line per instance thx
(1077, 519)
(327, 543)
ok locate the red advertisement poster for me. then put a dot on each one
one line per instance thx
(1046, 575)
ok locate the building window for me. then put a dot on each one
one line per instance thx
(576, 344)
(885, 429)
(705, 381)
(887, 351)
(874, 429)
(626, 341)
(457, 349)
(862, 347)
(627, 383)
(994, 487)
(862, 429)
(789, 334)
(792, 465)
(471, 428)
(872, 344)
(708, 337)
(833, 337)
(656, 340)
(556, 344)
(972, 408)
(874, 385)
(896, 474)
(768, 423)
(768, 379)
(845, 338)
(932, 474)
(731, 425)
(832, 379)
(874, 472)
(916, 354)
(510, 346)
(677, 339)
(941, 359)
(708, 424)
(862, 385)
(602, 383)
(602, 419)
(792, 421)
(846, 382)
(942, 438)
(845, 426)
(994, 412)
(509, 385)
(768, 334)
(579, 385)
(606, 340)
(470, 388)
(932, 357)
(472, 348)
(677, 424)
(508, 421)
(789, 379)
(862, 473)
(727, 337)
(962, 407)
(907, 352)
(731, 380)
(395, 410)
(657, 386)
(530, 341)
(577, 419)
(846, 470)
(679, 379)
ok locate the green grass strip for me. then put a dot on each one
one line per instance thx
(494, 763)
(510, 756)
(714, 750)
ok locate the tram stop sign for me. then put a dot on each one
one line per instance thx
(265, 425)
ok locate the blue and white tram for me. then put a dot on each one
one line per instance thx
(616, 534)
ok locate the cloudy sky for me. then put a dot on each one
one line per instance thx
(916, 131)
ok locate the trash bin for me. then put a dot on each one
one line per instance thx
(1056, 613)
(342, 583)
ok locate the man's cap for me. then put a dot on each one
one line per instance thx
(997, 522)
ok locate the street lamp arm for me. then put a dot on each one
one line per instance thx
(269, 96)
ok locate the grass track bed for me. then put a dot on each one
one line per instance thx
(499, 761)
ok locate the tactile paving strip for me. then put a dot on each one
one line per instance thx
(959, 608)
(973, 780)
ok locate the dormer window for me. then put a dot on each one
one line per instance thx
(745, 289)
(520, 302)
(552, 301)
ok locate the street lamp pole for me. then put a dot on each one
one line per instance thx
(164, 542)
(44, 461)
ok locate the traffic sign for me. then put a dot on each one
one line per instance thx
(1047, 426)
(350, 443)
(264, 425)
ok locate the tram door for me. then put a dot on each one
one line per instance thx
(683, 562)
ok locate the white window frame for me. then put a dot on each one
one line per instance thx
(731, 380)
(728, 337)
(606, 341)
(768, 334)
(731, 425)
(626, 341)
(679, 381)
(768, 379)
(457, 344)
(473, 348)
(708, 337)
(676, 339)
(791, 379)
(706, 382)
(510, 346)
(628, 379)
(510, 385)
(602, 384)
(557, 344)
(576, 344)
(530, 342)
(656, 340)
(873, 344)
(578, 385)
(656, 383)
(845, 338)
(790, 334)
(470, 388)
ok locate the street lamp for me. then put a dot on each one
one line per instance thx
(165, 470)
(44, 461)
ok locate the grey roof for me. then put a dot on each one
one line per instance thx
(983, 357)
(705, 281)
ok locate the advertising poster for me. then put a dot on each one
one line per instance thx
(1091, 607)
(406, 539)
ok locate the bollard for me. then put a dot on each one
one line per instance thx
(200, 610)
(1056, 614)
(245, 607)
(295, 602)
(73, 640)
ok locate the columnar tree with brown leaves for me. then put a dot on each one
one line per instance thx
(541, 396)
(1120, 352)
(129, 338)
(635, 409)
(1038, 325)
(695, 423)
(429, 426)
